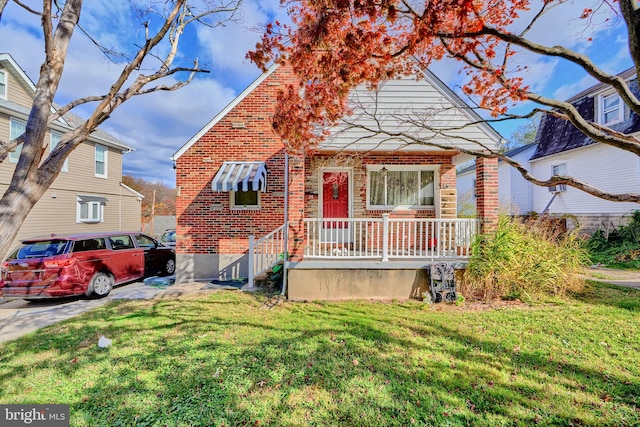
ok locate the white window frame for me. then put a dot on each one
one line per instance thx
(559, 166)
(4, 87)
(233, 206)
(603, 111)
(404, 168)
(105, 161)
(14, 155)
(54, 141)
(90, 219)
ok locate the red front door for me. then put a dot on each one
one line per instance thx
(335, 197)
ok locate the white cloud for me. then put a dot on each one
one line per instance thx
(158, 124)
(226, 47)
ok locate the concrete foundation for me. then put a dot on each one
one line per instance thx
(357, 280)
(190, 267)
(590, 223)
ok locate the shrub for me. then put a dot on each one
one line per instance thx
(523, 261)
(618, 248)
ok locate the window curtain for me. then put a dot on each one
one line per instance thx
(400, 188)
(376, 188)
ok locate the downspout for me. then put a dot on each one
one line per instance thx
(286, 223)
(120, 210)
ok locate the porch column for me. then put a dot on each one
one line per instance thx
(296, 207)
(487, 192)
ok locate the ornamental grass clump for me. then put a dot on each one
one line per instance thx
(524, 261)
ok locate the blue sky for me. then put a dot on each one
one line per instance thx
(157, 125)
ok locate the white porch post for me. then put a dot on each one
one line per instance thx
(252, 244)
(385, 237)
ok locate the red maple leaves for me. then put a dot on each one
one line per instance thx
(336, 45)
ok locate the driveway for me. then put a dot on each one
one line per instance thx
(626, 278)
(19, 317)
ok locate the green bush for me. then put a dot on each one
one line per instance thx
(523, 261)
(619, 248)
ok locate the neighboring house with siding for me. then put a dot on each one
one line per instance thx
(367, 214)
(562, 149)
(515, 192)
(88, 195)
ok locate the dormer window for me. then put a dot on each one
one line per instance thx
(610, 109)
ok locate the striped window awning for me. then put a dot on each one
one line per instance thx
(241, 176)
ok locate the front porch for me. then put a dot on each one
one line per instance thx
(388, 239)
(363, 257)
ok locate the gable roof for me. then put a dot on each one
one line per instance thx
(428, 78)
(224, 112)
(556, 135)
(67, 122)
(421, 106)
(510, 153)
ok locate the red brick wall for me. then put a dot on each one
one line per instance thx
(487, 192)
(359, 166)
(204, 219)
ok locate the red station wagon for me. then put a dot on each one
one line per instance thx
(77, 264)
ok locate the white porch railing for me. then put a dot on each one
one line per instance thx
(389, 238)
(265, 252)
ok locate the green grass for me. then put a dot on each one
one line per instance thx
(222, 360)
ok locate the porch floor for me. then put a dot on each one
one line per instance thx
(365, 264)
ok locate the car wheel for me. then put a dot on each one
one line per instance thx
(169, 267)
(100, 285)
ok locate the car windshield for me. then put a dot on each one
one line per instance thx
(168, 236)
(42, 249)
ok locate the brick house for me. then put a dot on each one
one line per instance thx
(366, 213)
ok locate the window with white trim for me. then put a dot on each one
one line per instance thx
(90, 209)
(390, 187)
(611, 109)
(245, 199)
(17, 128)
(55, 140)
(559, 169)
(3, 84)
(101, 161)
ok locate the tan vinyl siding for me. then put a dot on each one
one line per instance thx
(56, 211)
(59, 214)
(17, 92)
(81, 176)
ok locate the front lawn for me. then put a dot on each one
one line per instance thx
(225, 360)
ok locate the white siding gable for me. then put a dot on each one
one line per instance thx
(410, 106)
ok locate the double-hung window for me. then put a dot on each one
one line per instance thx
(55, 140)
(17, 128)
(611, 110)
(390, 187)
(3, 84)
(91, 208)
(101, 161)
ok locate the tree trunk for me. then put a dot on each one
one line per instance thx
(15, 205)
